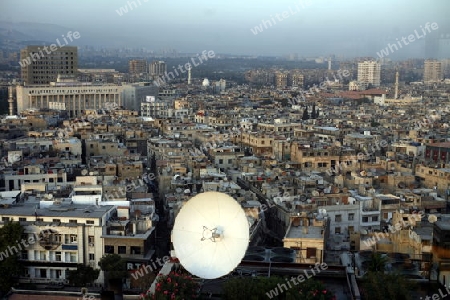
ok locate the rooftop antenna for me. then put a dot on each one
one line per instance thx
(210, 235)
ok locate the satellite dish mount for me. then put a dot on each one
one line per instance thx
(214, 234)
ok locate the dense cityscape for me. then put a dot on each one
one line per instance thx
(338, 163)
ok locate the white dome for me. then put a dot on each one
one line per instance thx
(205, 82)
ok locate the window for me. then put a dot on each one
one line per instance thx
(42, 255)
(337, 230)
(73, 221)
(135, 250)
(58, 238)
(91, 256)
(375, 219)
(39, 219)
(91, 239)
(220, 161)
(310, 252)
(58, 256)
(351, 229)
(5, 219)
(338, 218)
(24, 254)
(56, 221)
(365, 219)
(109, 249)
(73, 257)
(22, 219)
(122, 249)
(90, 222)
(73, 238)
(351, 217)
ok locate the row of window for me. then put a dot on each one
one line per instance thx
(73, 221)
(351, 217)
(110, 249)
(54, 256)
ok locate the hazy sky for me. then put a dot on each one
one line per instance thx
(309, 28)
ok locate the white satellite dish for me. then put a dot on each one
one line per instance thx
(50, 196)
(297, 173)
(84, 172)
(179, 190)
(210, 235)
(363, 231)
(432, 218)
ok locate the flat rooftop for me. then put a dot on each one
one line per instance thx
(308, 232)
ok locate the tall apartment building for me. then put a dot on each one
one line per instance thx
(158, 68)
(281, 79)
(432, 70)
(369, 72)
(295, 79)
(137, 66)
(42, 67)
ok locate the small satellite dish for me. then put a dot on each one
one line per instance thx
(84, 172)
(210, 235)
(297, 173)
(363, 231)
(50, 196)
(315, 193)
(179, 190)
(432, 218)
(179, 145)
(363, 173)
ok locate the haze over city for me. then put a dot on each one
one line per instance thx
(308, 28)
(224, 149)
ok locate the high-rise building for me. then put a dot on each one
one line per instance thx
(295, 79)
(158, 68)
(369, 72)
(280, 79)
(42, 67)
(137, 66)
(432, 70)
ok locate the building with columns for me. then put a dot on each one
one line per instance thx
(74, 97)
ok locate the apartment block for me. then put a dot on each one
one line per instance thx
(369, 72)
(40, 67)
(432, 71)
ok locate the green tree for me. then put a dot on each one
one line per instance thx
(305, 114)
(255, 288)
(381, 286)
(377, 262)
(313, 112)
(10, 247)
(115, 269)
(83, 275)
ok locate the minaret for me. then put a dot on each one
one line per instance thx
(11, 100)
(189, 75)
(329, 63)
(396, 85)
